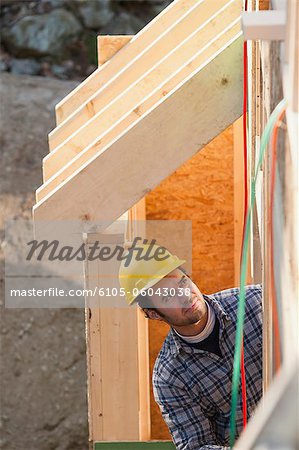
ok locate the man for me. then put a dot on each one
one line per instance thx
(193, 371)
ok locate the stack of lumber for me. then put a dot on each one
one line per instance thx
(170, 90)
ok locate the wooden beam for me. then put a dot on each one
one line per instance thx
(146, 71)
(254, 139)
(108, 46)
(118, 377)
(63, 163)
(118, 369)
(144, 38)
(292, 57)
(167, 135)
(238, 195)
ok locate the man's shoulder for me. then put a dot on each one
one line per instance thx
(228, 299)
(252, 290)
(165, 359)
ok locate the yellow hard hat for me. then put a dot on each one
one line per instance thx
(141, 274)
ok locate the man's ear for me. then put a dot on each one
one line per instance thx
(152, 314)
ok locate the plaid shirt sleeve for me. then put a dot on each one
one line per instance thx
(189, 428)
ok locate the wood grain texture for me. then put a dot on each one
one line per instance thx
(162, 140)
(115, 410)
(264, 4)
(142, 74)
(120, 114)
(108, 46)
(202, 190)
(100, 76)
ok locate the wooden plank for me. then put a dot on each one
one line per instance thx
(238, 195)
(93, 356)
(144, 70)
(118, 387)
(137, 217)
(292, 50)
(117, 374)
(267, 306)
(108, 46)
(63, 164)
(239, 201)
(131, 100)
(144, 38)
(167, 135)
(253, 116)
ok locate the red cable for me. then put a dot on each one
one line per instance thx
(277, 351)
(243, 373)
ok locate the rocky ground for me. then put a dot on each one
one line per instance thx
(42, 361)
(57, 38)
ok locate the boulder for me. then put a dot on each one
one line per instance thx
(95, 14)
(44, 34)
(25, 67)
(124, 23)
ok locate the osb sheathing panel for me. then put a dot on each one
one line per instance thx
(264, 4)
(200, 190)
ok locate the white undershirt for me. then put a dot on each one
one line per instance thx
(205, 332)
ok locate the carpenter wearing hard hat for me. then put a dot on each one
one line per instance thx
(193, 371)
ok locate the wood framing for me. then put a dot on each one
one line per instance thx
(238, 195)
(161, 140)
(239, 204)
(254, 140)
(144, 73)
(117, 360)
(273, 74)
(117, 339)
(154, 30)
(108, 46)
(107, 126)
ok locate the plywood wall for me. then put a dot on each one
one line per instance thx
(201, 190)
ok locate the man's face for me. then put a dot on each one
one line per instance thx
(178, 300)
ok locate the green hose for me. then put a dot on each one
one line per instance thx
(244, 261)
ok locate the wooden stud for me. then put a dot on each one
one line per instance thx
(238, 195)
(118, 374)
(116, 410)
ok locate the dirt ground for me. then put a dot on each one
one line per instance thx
(43, 365)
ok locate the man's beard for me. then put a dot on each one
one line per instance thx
(195, 318)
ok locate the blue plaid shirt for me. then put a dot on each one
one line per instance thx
(193, 387)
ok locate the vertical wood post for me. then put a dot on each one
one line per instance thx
(117, 338)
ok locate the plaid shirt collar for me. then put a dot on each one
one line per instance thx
(177, 345)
